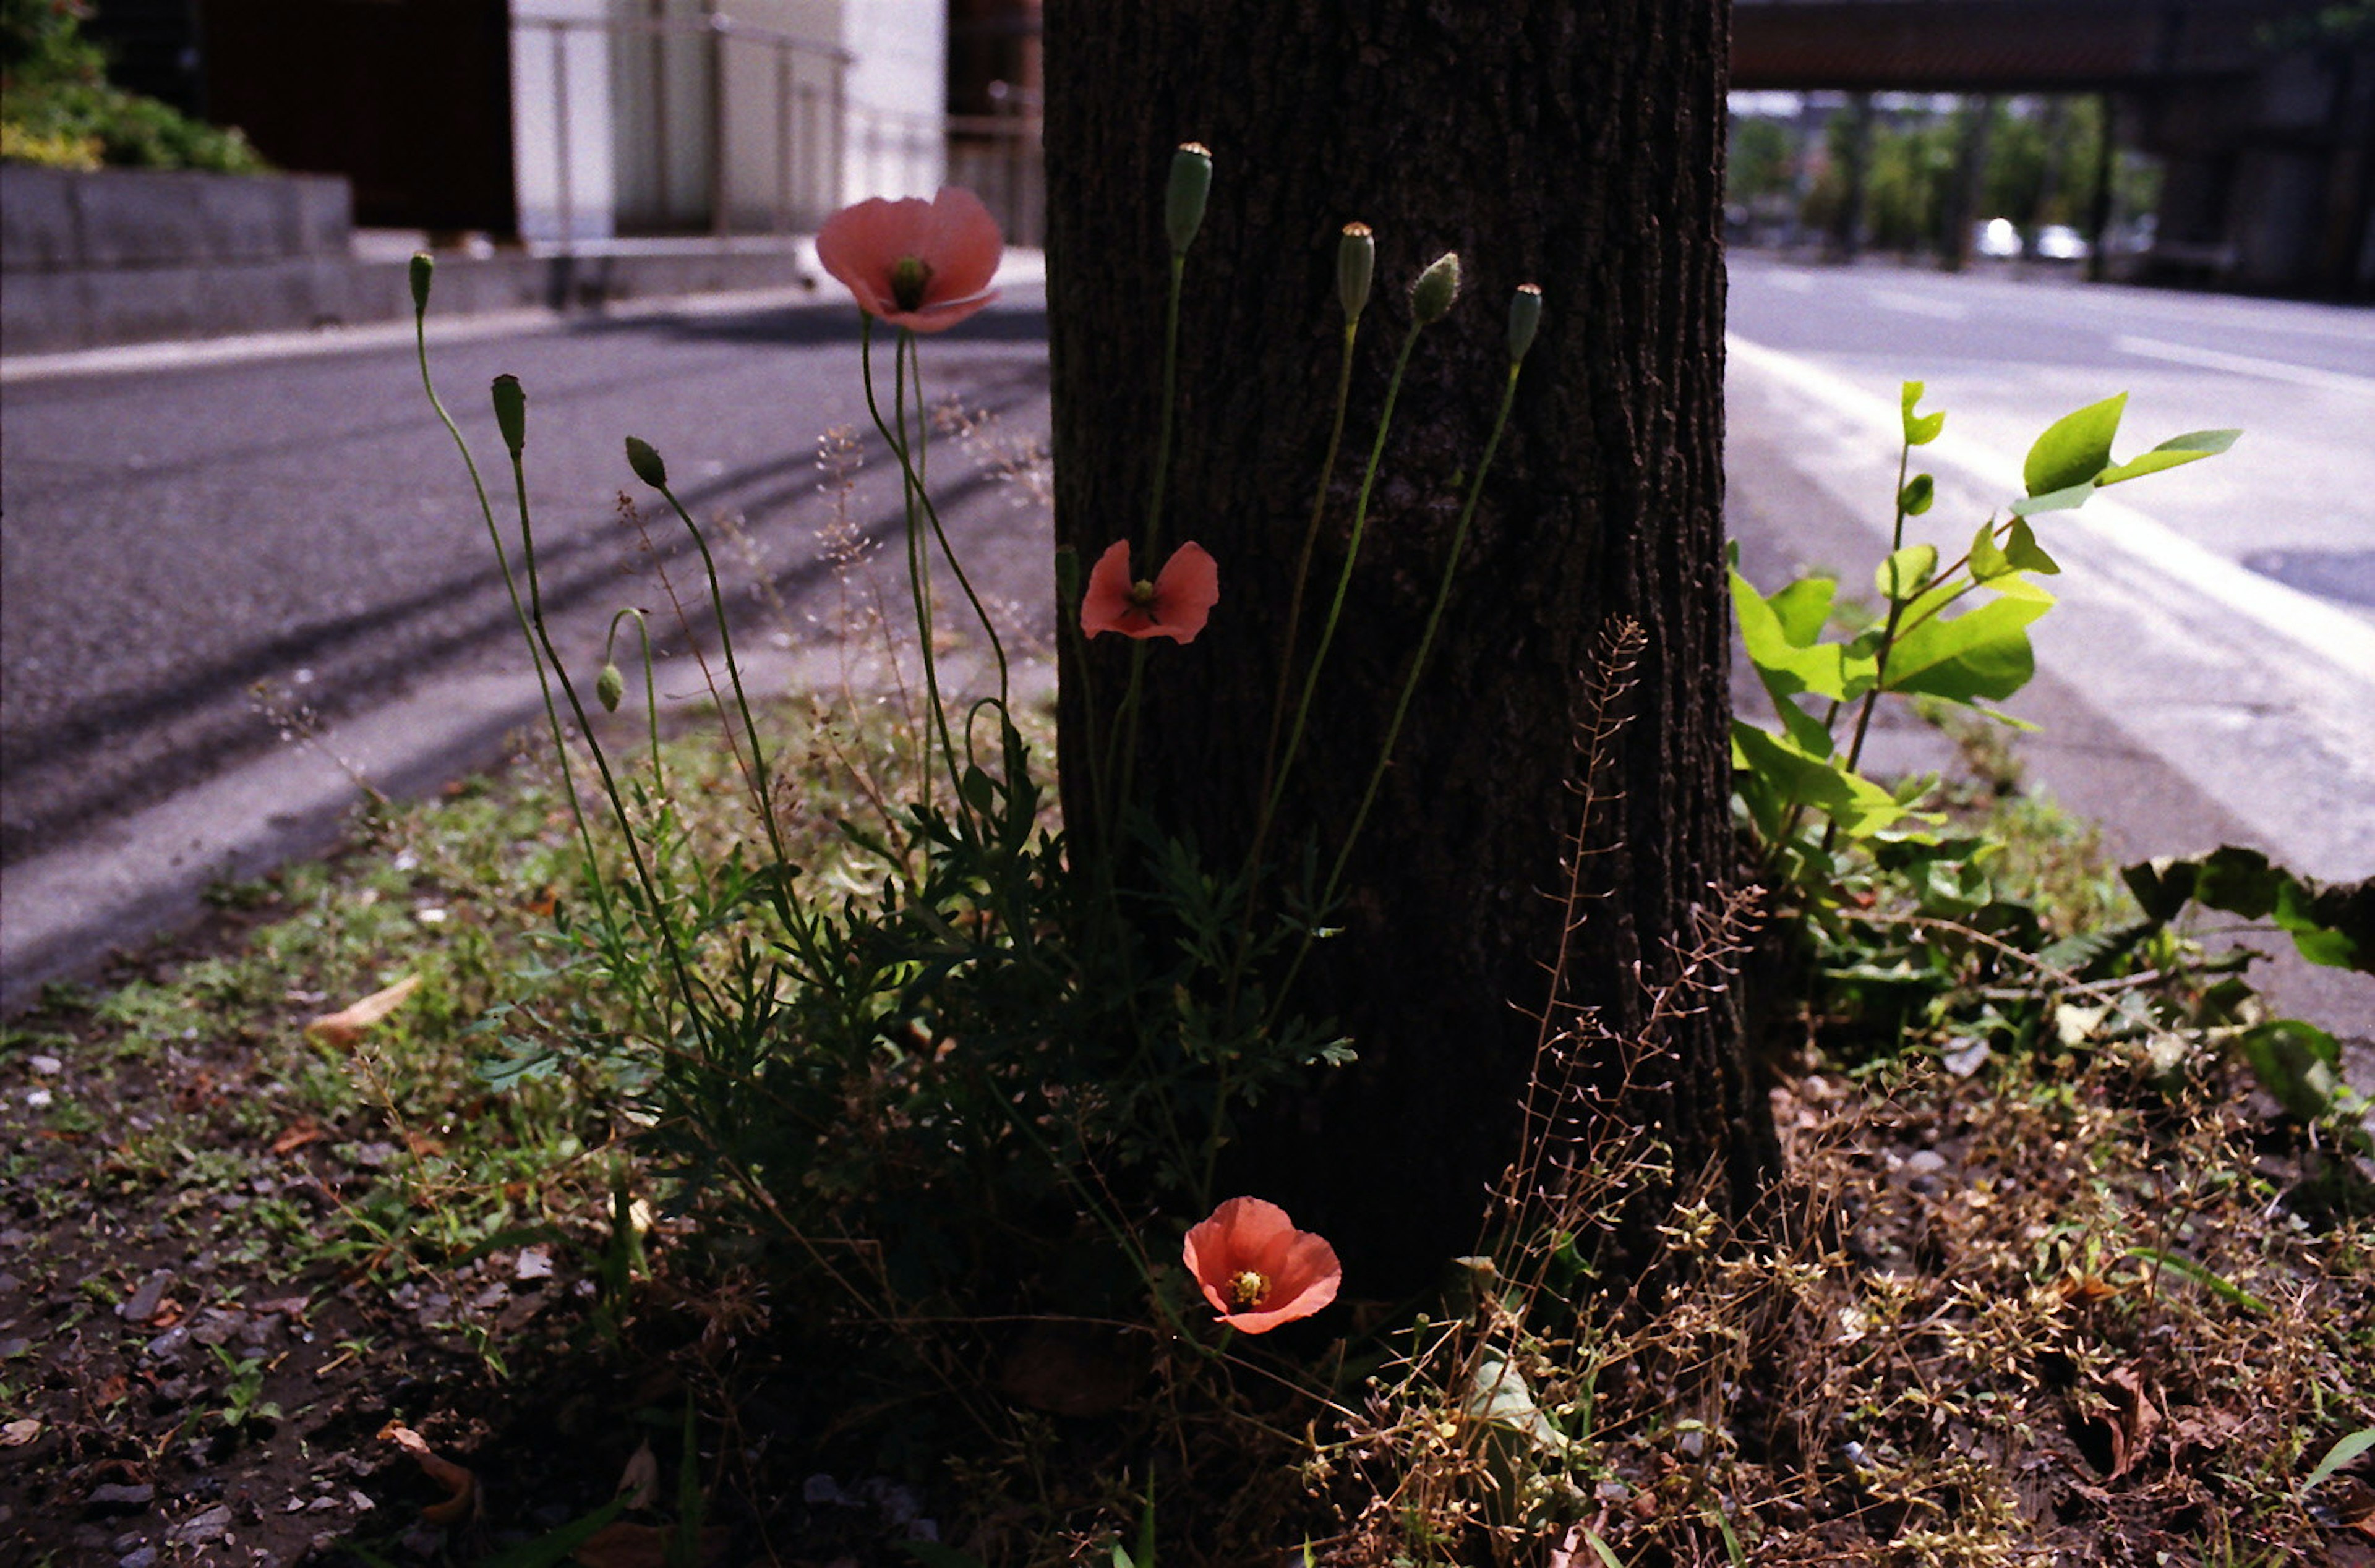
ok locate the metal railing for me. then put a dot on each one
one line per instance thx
(713, 124)
(719, 127)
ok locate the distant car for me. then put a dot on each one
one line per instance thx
(1997, 238)
(2060, 243)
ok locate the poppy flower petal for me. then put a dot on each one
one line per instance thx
(1106, 605)
(1184, 597)
(1249, 1235)
(963, 246)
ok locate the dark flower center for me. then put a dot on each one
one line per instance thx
(909, 277)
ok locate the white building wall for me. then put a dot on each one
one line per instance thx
(896, 143)
(564, 178)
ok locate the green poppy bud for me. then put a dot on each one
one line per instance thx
(1525, 315)
(423, 264)
(609, 688)
(1356, 259)
(510, 412)
(646, 463)
(1183, 204)
(1438, 287)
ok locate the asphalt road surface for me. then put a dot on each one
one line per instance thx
(179, 536)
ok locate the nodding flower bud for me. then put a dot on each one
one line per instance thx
(1356, 259)
(423, 264)
(609, 688)
(1437, 288)
(1525, 315)
(646, 463)
(510, 412)
(1183, 204)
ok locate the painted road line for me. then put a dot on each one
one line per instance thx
(2338, 637)
(1919, 305)
(2244, 365)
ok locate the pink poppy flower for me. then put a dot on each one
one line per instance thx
(917, 263)
(1175, 605)
(1257, 1270)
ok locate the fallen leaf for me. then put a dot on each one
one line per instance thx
(347, 1025)
(460, 1483)
(169, 1313)
(642, 1546)
(298, 1135)
(423, 1144)
(15, 1434)
(2132, 1421)
(640, 1480)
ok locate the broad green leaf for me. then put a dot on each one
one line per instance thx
(1979, 654)
(2074, 448)
(1784, 666)
(2191, 447)
(1498, 1395)
(1915, 498)
(1809, 733)
(1860, 806)
(1905, 572)
(2334, 926)
(1920, 430)
(1989, 561)
(2020, 548)
(1802, 608)
(2298, 1064)
(2062, 499)
(2344, 1451)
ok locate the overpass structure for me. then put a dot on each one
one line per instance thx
(2263, 111)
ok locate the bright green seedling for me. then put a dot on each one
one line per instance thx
(1953, 631)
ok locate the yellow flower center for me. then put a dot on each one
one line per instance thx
(1247, 1289)
(1141, 592)
(909, 275)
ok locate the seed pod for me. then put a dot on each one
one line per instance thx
(1183, 204)
(646, 463)
(1356, 260)
(510, 412)
(1525, 315)
(1438, 287)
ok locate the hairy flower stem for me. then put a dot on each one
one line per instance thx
(1125, 735)
(756, 764)
(654, 900)
(919, 588)
(651, 686)
(932, 515)
(1426, 641)
(1294, 612)
(1343, 577)
(632, 974)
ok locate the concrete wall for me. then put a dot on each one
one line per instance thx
(128, 256)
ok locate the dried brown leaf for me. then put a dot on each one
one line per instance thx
(346, 1026)
(459, 1483)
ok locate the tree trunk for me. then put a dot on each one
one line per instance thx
(1576, 145)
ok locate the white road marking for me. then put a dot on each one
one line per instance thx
(2244, 365)
(2335, 636)
(1919, 305)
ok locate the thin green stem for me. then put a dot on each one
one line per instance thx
(651, 687)
(1170, 400)
(919, 591)
(678, 964)
(932, 514)
(1343, 577)
(1426, 641)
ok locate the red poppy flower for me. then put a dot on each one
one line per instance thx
(1257, 1270)
(917, 263)
(1175, 605)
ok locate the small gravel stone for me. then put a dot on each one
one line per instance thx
(115, 1496)
(12, 1347)
(534, 1263)
(145, 1300)
(1925, 1162)
(46, 1067)
(140, 1557)
(205, 1528)
(215, 1327)
(130, 1540)
(169, 1345)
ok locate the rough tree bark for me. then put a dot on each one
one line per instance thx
(1577, 146)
